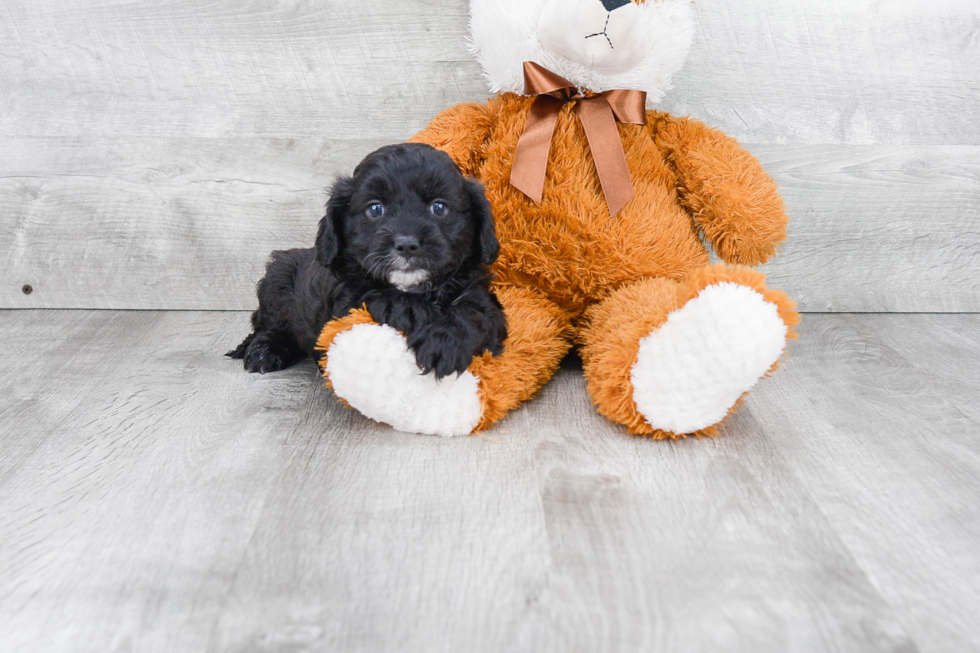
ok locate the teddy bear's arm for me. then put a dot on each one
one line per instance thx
(460, 131)
(724, 188)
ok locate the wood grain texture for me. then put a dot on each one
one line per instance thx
(892, 455)
(292, 69)
(177, 503)
(189, 223)
(836, 71)
(876, 229)
(945, 357)
(153, 155)
(157, 476)
(40, 360)
(855, 72)
(150, 223)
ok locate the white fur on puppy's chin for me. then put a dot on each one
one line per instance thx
(405, 281)
(371, 367)
(691, 371)
(505, 33)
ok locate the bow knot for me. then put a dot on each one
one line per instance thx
(598, 113)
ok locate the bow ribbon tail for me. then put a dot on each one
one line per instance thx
(607, 151)
(598, 115)
(531, 158)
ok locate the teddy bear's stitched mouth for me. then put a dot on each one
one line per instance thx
(605, 28)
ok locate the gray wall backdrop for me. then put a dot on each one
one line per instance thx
(153, 153)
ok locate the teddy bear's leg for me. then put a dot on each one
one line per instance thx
(370, 367)
(538, 336)
(669, 359)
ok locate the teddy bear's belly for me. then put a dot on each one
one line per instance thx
(578, 258)
(568, 245)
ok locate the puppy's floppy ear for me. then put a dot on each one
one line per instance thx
(483, 219)
(328, 234)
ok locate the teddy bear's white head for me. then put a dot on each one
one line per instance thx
(597, 45)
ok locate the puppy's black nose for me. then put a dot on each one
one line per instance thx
(406, 245)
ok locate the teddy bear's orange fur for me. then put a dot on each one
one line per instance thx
(568, 272)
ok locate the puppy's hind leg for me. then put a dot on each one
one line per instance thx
(267, 351)
(272, 346)
(238, 352)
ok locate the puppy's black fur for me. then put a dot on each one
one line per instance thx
(419, 263)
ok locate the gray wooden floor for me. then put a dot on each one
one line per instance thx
(153, 497)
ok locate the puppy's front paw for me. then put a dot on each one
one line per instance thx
(262, 356)
(442, 351)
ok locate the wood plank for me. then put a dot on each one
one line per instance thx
(171, 223)
(49, 365)
(96, 214)
(124, 527)
(189, 506)
(891, 455)
(856, 72)
(943, 352)
(189, 223)
(554, 532)
(876, 229)
(180, 68)
(802, 71)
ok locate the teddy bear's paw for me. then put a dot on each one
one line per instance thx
(691, 371)
(371, 367)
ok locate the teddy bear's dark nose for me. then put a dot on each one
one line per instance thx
(613, 5)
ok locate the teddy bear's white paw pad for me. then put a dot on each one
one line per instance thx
(692, 370)
(371, 367)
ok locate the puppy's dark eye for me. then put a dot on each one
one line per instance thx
(439, 209)
(375, 210)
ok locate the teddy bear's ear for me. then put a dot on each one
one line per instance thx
(328, 234)
(482, 216)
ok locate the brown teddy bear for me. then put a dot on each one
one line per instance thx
(601, 208)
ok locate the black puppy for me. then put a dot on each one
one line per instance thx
(409, 237)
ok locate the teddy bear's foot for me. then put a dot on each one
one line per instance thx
(690, 372)
(670, 359)
(372, 369)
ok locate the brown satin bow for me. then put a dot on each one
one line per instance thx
(598, 114)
